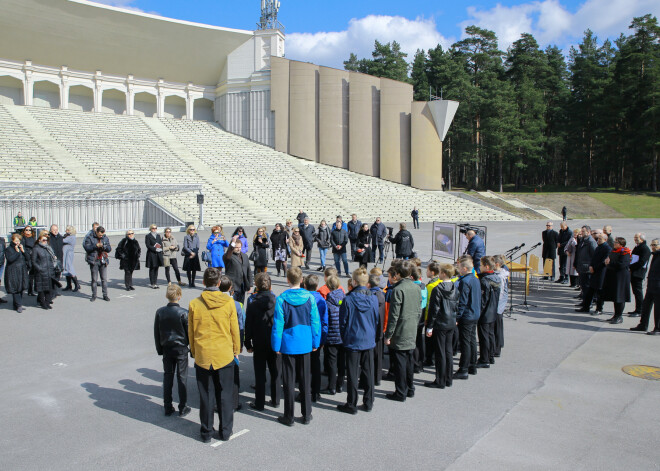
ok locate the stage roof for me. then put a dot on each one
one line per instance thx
(88, 36)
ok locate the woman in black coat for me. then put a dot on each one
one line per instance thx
(363, 253)
(28, 241)
(260, 244)
(280, 240)
(43, 263)
(128, 252)
(16, 271)
(616, 287)
(154, 243)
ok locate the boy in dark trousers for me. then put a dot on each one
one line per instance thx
(374, 287)
(226, 286)
(171, 337)
(296, 334)
(311, 283)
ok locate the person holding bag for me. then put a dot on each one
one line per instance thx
(190, 253)
(170, 248)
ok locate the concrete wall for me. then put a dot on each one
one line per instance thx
(81, 98)
(333, 117)
(279, 101)
(11, 91)
(303, 110)
(395, 106)
(426, 149)
(114, 102)
(364, 124)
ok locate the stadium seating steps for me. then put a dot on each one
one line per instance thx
(244, 182)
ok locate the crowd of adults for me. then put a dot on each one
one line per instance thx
(603, 268)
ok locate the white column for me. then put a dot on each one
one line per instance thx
(160, 99)
(98, 92)
(190, 103)
(28, 85)
(64, 89)
(130, 96)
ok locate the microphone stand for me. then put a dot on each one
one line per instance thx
(525, 305)
(508, 313)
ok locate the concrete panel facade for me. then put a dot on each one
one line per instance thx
(279, 101)
(364, 124)
(333, 117)
(426, 149)
(303, 110)
(395, 107)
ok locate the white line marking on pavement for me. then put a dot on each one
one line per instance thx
(130, 296)
(235, 435)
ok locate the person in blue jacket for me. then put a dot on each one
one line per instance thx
(311, 283)
(358, 323)
(241, 235)
(217, 245)
(469, 311)
(296, 334)
(333, 346)
(475, 249)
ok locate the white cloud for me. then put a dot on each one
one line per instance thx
(333, 48)
(125, 4)
(551, 23)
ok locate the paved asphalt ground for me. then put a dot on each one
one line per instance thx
(82, 389)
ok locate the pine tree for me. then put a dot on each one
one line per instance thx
(419, 76)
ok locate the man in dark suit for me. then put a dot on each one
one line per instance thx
(597, 268)
(563, 238)
(549, 251)
(652, 296)
(237, 268)
(308, 234)
(638, 270)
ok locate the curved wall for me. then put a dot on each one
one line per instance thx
(333, 117)
(395, 105)
(303, 110)
(364, 124)
(426, 149)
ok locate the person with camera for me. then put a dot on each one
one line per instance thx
(261, 244)
(404, 242)
(16, 271)
(353, 227)
(378, 235)
(215, 247)
(97, 249)
(339, 239)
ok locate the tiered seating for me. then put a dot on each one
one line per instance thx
(123, 149)
(244, 182)
(284, 184)
(21, 156)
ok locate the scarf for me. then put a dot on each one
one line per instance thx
(623, 251)
(296, 237)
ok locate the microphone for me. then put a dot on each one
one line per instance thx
(521, 246)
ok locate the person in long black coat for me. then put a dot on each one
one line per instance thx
(43, 264)
(128, 252)
(16, 271)
(638, 271)
(258, 327)
(617, 279)
(28, 241)
(261, 245)
(279, 240)
(549, 250)
(564, 236)
(154, 243)
(597, 268)
(363, 246)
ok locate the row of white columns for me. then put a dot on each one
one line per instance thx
(159, 90)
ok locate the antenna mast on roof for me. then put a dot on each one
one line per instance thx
(268, 20)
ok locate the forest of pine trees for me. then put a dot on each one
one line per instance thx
(531, 117)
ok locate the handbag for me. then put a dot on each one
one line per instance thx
(253, 255)
(206, 256)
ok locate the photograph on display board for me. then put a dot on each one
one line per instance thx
(443, 240)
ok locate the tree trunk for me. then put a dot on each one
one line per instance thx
(654, 182)
(501, 159)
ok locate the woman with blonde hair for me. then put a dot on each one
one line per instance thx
(128, 252)
(16, 271)
(216, 245)
(190, 253)
(44, 263)
(261, 244)
(68, 270)
(170, 248)
(280, 244)
(296, 245)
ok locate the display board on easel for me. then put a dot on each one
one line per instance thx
(449, 240)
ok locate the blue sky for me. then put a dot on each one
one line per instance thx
(325, 32)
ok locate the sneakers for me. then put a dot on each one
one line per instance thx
(185, 411)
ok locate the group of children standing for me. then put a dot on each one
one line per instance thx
(418, 322)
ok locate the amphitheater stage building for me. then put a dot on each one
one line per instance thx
(84, 84)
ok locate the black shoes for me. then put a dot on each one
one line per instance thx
(330, 392)
(460, 375)
(634, 314)
(395, 397)
(105, 298)
(346, 409)
(169, 411)
(483, 365)
(615, 320)
(433, 384)
(366, 408)
(638, 328)
(320, 269)
(19, 309)
(411, 393)
(653, 332)
(307, 420)
(582, 310)
(93, 298)
(284, 421)
(185, 411)
(252, 405)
